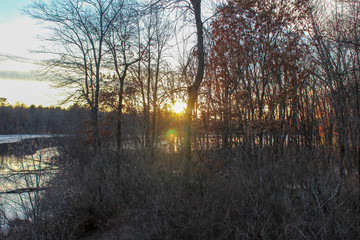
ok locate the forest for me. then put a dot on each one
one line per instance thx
(23, 119)
(198, 119)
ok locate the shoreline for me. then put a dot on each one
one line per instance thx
(27, 144)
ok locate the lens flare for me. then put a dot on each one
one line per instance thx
(171, 133)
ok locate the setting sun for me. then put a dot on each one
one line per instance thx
(179, 107)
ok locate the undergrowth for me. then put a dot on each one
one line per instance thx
(227, 196)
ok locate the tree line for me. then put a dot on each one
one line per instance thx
(23, 119)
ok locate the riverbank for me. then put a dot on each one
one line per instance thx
(27, 144)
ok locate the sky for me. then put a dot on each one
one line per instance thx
(19, 81)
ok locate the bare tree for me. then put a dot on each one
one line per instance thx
(335, 40)
(195, 7)
(121, 43)
(80, 28)
(149, 74)
(193, 90)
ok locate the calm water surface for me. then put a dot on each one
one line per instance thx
(22, 179)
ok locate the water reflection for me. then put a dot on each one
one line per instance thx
(22, 180)
(21, 137)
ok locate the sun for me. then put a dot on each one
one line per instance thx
(179, 107)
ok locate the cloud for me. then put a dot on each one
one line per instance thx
(17, 67)
(18, 75)
(10, 57)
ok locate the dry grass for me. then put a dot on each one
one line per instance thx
(240, 197)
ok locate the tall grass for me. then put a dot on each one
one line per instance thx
(236, 195)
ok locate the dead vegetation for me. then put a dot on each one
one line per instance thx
(293, 197)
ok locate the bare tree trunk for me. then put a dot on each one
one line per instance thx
(119, 111)
(194, 89)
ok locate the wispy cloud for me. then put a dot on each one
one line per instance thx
(18, 75)
(9, 57)
(17, 67)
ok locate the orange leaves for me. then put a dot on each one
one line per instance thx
(255, 35)
(257, 64)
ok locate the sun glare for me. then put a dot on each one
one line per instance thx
(179, 107)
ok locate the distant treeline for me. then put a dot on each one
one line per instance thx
(21, 119)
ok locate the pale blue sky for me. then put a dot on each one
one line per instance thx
(18, 36)
(17, 31)
(11, 9)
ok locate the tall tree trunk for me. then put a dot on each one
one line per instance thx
(120, 99)
(119, 114)
(194, 89)
(97, 144)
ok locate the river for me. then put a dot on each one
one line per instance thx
(23, 176)
(13, 138)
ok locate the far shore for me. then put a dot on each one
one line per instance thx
(13, 138)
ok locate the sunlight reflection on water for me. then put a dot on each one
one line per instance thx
(22, 180)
